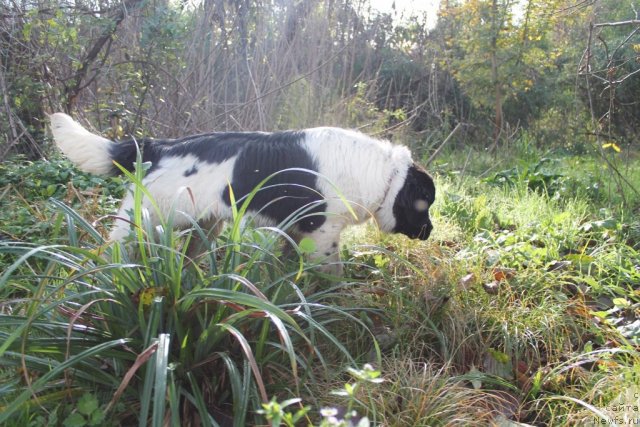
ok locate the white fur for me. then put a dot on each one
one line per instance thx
(367, 173)
(195, 196)
(88, 151)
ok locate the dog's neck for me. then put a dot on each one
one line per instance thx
(385, 195)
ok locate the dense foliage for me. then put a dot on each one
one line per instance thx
(522, 306)
(561, 70)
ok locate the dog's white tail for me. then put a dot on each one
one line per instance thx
(88, 151)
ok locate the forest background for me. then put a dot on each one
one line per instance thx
(562, 71)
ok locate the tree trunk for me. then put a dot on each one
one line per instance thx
(495, 76)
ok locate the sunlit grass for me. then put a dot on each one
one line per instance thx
(162, 335)
(520, 306)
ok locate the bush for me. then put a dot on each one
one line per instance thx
(153, 334)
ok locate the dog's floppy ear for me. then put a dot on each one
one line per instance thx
(425, 183)
(418, 188)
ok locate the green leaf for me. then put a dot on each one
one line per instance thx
(349, 388)
(621, 302)
(26, 31)
(74, 420)
(307, 245)
(380, 260)
(51, 189)
(87, 404)
(97, 418)
(160, 386)
(499, 356)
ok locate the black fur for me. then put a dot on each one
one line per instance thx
(192, 171)
(211, 148)
(259, 156)
(413, 223)
(286, 192)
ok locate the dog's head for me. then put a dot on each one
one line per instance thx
(412, 203)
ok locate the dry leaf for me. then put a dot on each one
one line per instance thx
(501, 274)
(491, 288)
(475, 375)
(467, 281)
(559, 265)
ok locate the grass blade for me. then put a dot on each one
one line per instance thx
(7, 410)
(160, 387)
(246, 349)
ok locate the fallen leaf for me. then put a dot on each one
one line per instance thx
(500, 274)
(498, 363)
(491, 288)
(523, 375)
(558, 265)
(475, 376)
(467, 281)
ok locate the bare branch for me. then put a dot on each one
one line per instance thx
(618, 23)
(105, 39)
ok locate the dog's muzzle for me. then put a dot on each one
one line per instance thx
(424, 232)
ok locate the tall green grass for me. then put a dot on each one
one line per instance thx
(157, 337)
(522, 307)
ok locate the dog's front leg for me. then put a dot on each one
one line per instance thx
(327, 241)
(122, 223)
(125, 219)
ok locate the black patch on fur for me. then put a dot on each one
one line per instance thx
(192, 171)
(418, 185)
(124, 153)
(210, 148)
(285, 192)
(260, 155)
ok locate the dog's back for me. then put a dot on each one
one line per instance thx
(278, 161)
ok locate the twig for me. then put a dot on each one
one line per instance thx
(617, 24)
(279, 88)
(7, 105)
(447, 139)
(618, 176)
(105, 39)
(18, 129)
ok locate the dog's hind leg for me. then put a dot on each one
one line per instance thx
(212, 227)
(125, 218)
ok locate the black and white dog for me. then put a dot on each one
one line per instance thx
(314, 172)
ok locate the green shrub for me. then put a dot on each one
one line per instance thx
(175, 338)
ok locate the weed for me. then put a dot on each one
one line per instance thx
(523, 306)
(174, 338)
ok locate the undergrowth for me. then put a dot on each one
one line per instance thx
(524, 306)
